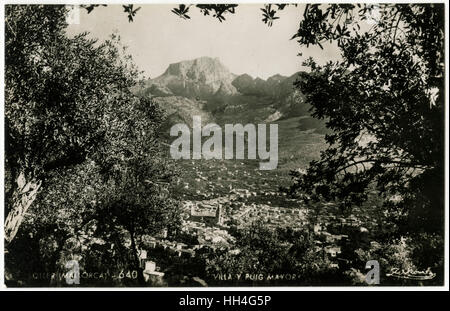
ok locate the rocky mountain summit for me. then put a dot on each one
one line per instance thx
(204, 86)
(206, 78)
(199, 78)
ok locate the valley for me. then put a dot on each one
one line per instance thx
(204, 87)
(221, 196)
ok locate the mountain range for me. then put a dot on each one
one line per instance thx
(204, 86)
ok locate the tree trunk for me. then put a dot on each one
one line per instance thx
(136, 260)
(23, 196)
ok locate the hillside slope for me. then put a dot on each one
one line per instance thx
(226, 97)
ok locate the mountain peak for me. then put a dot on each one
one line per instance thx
(207, 78)
(193, 66)
(200, 77)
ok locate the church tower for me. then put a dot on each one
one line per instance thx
(219, 214)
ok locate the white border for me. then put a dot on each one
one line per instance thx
(212, 289)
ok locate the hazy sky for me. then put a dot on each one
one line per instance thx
(244, 44)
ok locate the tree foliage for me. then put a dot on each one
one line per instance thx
(385, 104)
(74, 126)
(55, 89)
(276, 257)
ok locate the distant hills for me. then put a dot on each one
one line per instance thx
(201, 78)
(204, 86)
(206, 77)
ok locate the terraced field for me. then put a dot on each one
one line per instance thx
(206, 179)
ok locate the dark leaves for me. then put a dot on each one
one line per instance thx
(269, 15)
(182, 11)
(130, 11)
(89, 8)
(386, 133)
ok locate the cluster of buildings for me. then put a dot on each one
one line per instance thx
(272, 216)
(209, 222)
(235, 210)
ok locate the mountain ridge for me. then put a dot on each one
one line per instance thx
(205, 86)
(203, 77)
(197, 78)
